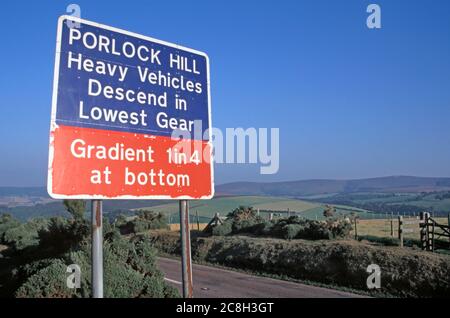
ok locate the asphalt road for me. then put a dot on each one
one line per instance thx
(211, 282)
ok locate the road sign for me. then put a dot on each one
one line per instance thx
(130, 117)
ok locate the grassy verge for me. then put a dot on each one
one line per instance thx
(405, 272)
(280, 277)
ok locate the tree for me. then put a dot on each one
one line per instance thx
(76, 208)
(329, 211)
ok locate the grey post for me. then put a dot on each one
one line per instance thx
(97, 248)
(392, 227)
(428, 236)
(198, 220)
(186, 266)
(400, 230)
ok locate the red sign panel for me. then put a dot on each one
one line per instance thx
(130, 117)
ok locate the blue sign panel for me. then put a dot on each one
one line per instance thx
(121, 102)
(117, 80)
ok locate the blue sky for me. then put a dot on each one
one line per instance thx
(350, 102)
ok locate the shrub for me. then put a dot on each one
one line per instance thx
(329, 211)
(144, 221)
(62, 234)
(310, 229)
(240, 220)
(246, 220)
(339, 228)
(264, 228)
(7, 222)
(49, 282)
(129, 271)
(226, 228)
(76, 208)
(25, 234)
(291, 231)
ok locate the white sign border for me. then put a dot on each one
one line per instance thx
(53, 124)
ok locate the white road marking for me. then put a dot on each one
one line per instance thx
(172, 281)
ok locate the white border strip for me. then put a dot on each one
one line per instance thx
(53, 124)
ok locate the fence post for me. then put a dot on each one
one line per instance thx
(432, 237)
(427, 224)
(392, 228)
(356, 228)
(423, 231)
(270, 216)
(448, 223)
(400, 230)
(217, 218)
(198, 221)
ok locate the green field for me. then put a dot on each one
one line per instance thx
(277, 205)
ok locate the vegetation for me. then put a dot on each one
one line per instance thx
(6, 222)
(51, 245)
(395, 203)
(24, 234)
(246, 220)
(144, 221)
(329, 211)
(405, 272)
(76, 208)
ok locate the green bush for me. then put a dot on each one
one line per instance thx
(246, 220)
(297, 227)
(7, 222)
(264, 228)
(226, 228)
(144, 221)
(48, 282)
(25, 234)
(291, 231)
(129, 271)
(62, 234)
(240, 220)
(76, 208)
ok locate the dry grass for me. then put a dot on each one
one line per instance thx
(176, 227)
(382, 227)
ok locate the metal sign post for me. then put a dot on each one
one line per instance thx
(97, 248)
(80, 121)
(186, 266)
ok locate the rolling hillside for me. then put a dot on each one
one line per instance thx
(277, 205)
(305, 188)
(402, 194)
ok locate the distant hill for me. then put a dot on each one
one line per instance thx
(304, 188)
(298, 189)
(23, 191)
(293, 188)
